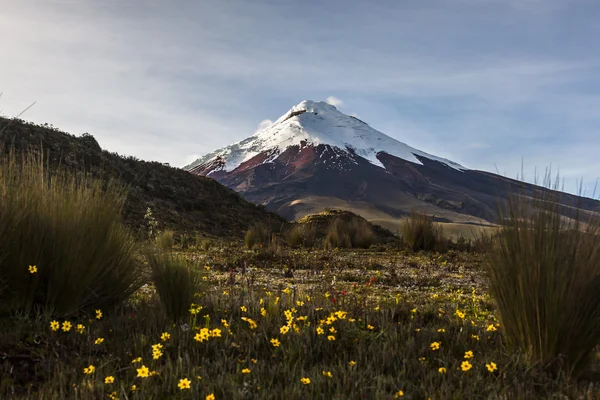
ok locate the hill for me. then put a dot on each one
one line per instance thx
(179, 201)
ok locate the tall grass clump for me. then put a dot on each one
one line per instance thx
(258, 234)
(68, 228)
(420, 232)
(176, 281)
(544, 275)
(301, 235)
(349, 234)
(164, 240)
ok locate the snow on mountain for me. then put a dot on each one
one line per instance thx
(315, 123)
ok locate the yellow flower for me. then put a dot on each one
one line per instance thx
(224, 322)
(156, 354)
(327, 374)
(243, 308)
(476, 337)
(143, 372)
(276, 300)
(210, 397)
(398, 394)
(133, 388)
(299, 303)
(435, 345)
(109, 379)
(320, 331)
(99, 340)
(251, 323)
(246, 371)
(98, 314)
(80, 328)
(332, 329)
(469, 354)
(263, 312)
(422, 359)
(442, 370)
(113, 396)
(352, 363)
(184, 383)
(275, 342)
(284, 329)
(153, 373)
(66, 326)
(253, 360)
(33, 269)
(165, 336)
(491, 328)
(441, 330)
(54, 325)
(215, 332)
(491, 367)
(460, 314)
(287, 290)
(465, 366)
(370, 327)
(306, 381)
(137, 360)
(89, 370)
(331, 338)
(206, 267)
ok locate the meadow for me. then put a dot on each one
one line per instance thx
(88, 311)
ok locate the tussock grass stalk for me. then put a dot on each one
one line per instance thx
(258, 234)
(164, 240)
(68, 226)
(420, 232)
(176, 281)
(545, 277)
(349, 234)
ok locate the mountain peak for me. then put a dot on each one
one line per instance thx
(316, 123)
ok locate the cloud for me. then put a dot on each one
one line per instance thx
(334, 101)
(265, 123)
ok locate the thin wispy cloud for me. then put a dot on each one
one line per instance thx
(482, 82)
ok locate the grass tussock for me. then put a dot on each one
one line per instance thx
(62, 244)
(176, 281)
(165, 240)
(257, 235)
(301, 235)
(420, 232)
(545, 277)
(348, 234)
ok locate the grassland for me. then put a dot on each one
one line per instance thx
(299, 324)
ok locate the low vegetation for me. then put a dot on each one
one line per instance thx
(90, 313)
(66, 233)
(545, 277)
(420, 232)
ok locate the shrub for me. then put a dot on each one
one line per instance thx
(176, 282)
(69, 227)
(301, 235)
(349, 234)
(258, 234)
(544, 275)
(164, 240)
(420, 232)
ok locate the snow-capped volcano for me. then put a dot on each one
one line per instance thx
(315, 157)
(312, 124)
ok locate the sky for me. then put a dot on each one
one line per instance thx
(490, 84)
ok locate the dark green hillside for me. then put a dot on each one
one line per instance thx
(179, 200)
